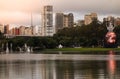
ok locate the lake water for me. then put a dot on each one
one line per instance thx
(60, 66)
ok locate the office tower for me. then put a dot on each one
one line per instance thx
(80, 23)
(63, 20)
(6, 29)
(47, 20)
(117, 21)
(89, 18)
(59, 21)
(34, 29)
(40, 30)
(68, 20)
(109, 19)
(113, 20)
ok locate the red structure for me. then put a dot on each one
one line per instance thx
(17, 31)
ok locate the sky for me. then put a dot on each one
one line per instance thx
(19, 11)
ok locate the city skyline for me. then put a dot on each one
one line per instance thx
(19, 11)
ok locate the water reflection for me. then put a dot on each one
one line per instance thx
(111, 65)
(61, 69)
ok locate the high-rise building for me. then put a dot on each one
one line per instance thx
(80, 22)
(22, 30)
(68, 20)
(47, 20)
(89, 18)
(1, 28)
(17, 31)
(64, 20)
(14, 31)
(34, 29)
(117, 21)
(6, 29)
(110, 19)
(28, 31)
(11, 31)
(40, 30)
(59, 21)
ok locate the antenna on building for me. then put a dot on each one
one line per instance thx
(32, 22)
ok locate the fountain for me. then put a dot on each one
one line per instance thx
(7, 49)
(60, 46)
(25, 46)
(20, 49)
(2, 48)
(110, 38)
(11, 47)
(31, 49)
(27, 49)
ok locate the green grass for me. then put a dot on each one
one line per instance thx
(84, 49)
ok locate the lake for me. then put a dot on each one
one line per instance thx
(60, 66)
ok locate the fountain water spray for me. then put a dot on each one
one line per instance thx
(7, 49)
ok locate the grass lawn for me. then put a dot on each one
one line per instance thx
(84, 49)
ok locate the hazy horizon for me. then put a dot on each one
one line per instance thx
(19, 11)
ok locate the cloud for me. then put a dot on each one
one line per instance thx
(18, 5)
(99, 6)
(102, 7)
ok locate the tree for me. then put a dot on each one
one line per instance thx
(89, 35)
(117, 31)
(49, 42)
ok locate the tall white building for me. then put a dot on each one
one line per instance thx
(47, 21)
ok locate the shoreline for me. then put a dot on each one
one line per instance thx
(67, 51)
(83, 49)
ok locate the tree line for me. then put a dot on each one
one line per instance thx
(85, 36)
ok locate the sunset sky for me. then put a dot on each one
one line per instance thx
(19, 11)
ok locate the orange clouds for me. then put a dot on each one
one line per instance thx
(19, 5)
(16, 10)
